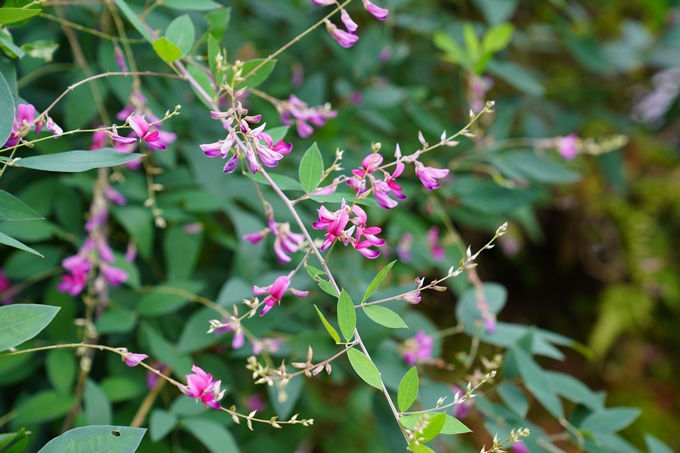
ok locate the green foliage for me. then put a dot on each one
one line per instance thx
(364, 367)
(21, 322)
(408, 390)
(77, 161)
(113, 439)
(311, 169)
(347, 317)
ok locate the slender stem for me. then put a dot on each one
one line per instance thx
(91, 31)
(294, 40)
(147, 404)
(41, 71)
(16, 289)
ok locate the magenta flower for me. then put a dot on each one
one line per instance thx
(343, 38)
(98, 139)
(201, 386)
(25, 115)
(568, 146)
(74, 282)
(335, 222)
(462, 410)
(382, 189)
(5, 284)
(323, 2)
(285, 241)
(435, 246)
(144, 131)
(256, 403)
(276, 292)
(132, 359)
(429, 175)
(114, 196)
(520, 447)
(295, 111)
(418, 348)
(376, 11)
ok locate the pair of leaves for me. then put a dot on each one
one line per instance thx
(477, 55)
(178, 41)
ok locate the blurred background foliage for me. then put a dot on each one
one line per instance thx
(590, 253)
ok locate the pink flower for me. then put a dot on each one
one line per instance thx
(429, 175)
(120, 58)
(404, 247)
(256, 403)
(132, 359)
(343, 38)
(568, 146)
(350, 25)
(323, 2)
(193, 228)
(285, 241)
(98, 139)
(5, 284)
(131, 252)
(25, 115)
(270, 345)
(520, 447)
(276, 292)
(114, 275)
(435, 247)
(335, 222)
(201, 386)
(233, 326)
(150, 136)
(463, 409)
(295, 111)
(378, 13)
(74, 282)
(114, 196)
(418, 348)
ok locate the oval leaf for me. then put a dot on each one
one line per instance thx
(21, 322)
(377, 281)
(385, 317)
(408, 390)
(365, 368)
(258, 77)
(311, 169)
(454, 426)
(9, 15)
(11, 208)
(161, 423)
(167, 50)
(331, 331)
(77, 161)
(4, 239)
(181, 33)
(6, 108)
(112, 439)
(434, 427)
(212, 434)
(347, 317)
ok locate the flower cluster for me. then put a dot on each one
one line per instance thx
(257, 145)
(275, 292)
(95, 251)
(285, 241)
(295, 111)
(24, 118)
(360, 236)
(201, 386)
(348, 38)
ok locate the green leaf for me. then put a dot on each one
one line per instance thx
(408, 390)
(311, 169)
(167, 50)
(134, 20)
(418, 448)
(18, 53)
(138, 223)
(21, 322)
(453, 51)
(61, 370)
(181, 33)
(6, 109)
(167, 298)
(654, 445)
(331, 331)
(13, 442)
(122, 388)
(77, 161)
(385, 317)
(9, 15)
(497, 38)
(454, 426)
(181, 251)
(203, 80)
(434, 427)
(313, 272)
(219, 22)
(541, 169)
(536, 382)
(161, 423)
(610, 420)
(97, 405)
(471, 39)
(327, 287)
(514, 399)
(347, 316)
(364, 368)
(11, 208)
(258, 77)
(517, 76)
(89, 439)
(42, 407)
(193, 5)
(211, 434)
(377, 280)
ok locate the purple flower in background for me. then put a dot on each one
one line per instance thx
(435, 247)
(463, 409)
(114, 275)
(343, 38)
(429, 175)
(233, 326)
(376, 11)
(404, 247)
(114, 196)
(193, 228)
(418, 348)
(256, 403)
(270, 345)
(120, 58)
(131, 252)
(520, 447)
(323, 2)
(5, 284)
(568, 146)
(296, 111)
